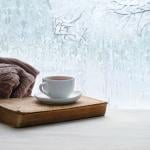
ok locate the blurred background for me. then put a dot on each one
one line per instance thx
(105, 44)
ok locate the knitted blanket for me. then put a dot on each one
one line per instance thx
(17, 78)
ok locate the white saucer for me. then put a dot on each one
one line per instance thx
(62, 101)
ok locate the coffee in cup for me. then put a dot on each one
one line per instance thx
(57, 86)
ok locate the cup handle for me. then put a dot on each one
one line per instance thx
(41, 88)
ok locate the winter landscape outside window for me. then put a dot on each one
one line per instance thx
(105, 44)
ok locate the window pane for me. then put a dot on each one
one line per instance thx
(103, 43)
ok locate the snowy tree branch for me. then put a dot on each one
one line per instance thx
(49, 4)
(63, 27)
(132, 10)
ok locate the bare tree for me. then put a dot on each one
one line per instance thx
(64, 28)
(133, 10)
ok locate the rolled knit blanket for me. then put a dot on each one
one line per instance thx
(17, 78)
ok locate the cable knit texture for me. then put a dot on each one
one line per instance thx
(17, 78)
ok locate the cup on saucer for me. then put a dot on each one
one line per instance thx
(58, 89)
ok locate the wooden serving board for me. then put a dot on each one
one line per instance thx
(21, 112)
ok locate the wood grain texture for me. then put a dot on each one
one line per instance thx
(27, 111)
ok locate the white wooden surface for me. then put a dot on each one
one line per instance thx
(118, 130)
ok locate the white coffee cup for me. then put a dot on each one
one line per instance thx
(57, 86)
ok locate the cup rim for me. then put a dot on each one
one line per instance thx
(53, 78)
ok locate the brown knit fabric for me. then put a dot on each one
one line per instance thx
(16, 78)
(28, 68)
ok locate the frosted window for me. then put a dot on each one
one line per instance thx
(105, 44)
